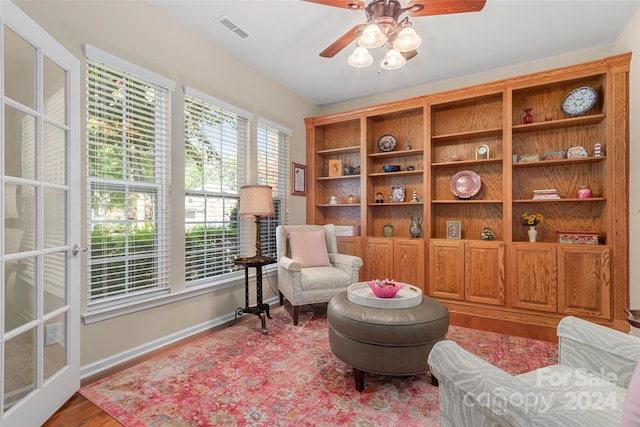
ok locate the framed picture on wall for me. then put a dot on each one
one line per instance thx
(454, 230)
(298, 179)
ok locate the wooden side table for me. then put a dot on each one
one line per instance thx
(260, 309)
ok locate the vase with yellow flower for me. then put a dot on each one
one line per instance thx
(532, 220)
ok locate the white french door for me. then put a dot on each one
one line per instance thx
(39, 202)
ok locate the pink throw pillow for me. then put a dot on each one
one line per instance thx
(309, 248)
(631, 408)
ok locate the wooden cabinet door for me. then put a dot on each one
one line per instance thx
(534, 276)
(584, 288)
(408, 257)
(484, 272)
(378, 261)
(446, 269)
(351, 246)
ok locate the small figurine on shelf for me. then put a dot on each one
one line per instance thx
(408, 147)
(487, 233)
(414, 197)
(333, 200)
(597, 150)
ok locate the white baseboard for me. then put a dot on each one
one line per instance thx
(125, 356)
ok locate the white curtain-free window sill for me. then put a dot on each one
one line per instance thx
(166, 297)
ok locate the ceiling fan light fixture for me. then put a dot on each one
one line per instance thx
(360, 58)
(407, 40)
(393, 60)
(372, 37)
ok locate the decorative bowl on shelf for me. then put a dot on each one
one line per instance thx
(391, 168)
(385, 288)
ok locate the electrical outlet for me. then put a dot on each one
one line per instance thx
(53, 334)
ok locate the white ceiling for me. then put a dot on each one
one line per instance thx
(286, 36)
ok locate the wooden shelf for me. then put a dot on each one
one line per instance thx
(396, 204)
(436, 139)
(462, 202)
(334, 178)
(399, 173)
(562, 200)
(345, 150)
(555, 163)
(398, 153)
(470, 163)
(560, 124)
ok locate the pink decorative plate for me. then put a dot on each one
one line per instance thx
(465, 184)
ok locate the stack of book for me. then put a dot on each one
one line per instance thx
(550, 193)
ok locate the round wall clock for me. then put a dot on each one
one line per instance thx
(579, 101)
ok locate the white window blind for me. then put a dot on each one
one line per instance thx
(215, 141)
(128, 169)
(273, 169)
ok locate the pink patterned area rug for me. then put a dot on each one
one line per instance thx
(240, 377)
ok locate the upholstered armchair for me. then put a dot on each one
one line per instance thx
(309, 268)
(587, 387)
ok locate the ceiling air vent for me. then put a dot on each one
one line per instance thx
(229, 25)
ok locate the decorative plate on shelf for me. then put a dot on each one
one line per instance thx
(387, 142)
(465, 184)
(579, 101)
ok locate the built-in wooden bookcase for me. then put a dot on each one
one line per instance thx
(506, 282)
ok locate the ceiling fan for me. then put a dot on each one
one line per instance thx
(384, 25)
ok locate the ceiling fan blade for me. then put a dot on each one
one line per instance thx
(410, 54)
(444, 7)
(342, 42)
(344, 4)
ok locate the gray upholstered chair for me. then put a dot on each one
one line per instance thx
(309, 268)
(587, 387)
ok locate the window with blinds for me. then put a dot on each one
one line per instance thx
(273, 169)
(215, 141)
(128, 168)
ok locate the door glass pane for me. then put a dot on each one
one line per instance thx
(55, 277)
(55, 91)
(19, 66)
(54, 154)
(20, 230)
(54, 217)
(19, 367)
(55, 341)
(19, 143)
(19, 282)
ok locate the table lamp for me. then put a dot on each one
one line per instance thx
(256, 200)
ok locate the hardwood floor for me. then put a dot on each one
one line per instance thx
(78, 411)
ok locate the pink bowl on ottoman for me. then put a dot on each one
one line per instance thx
(385, 288)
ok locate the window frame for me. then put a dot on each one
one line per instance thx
(157, 128)
(214, 276)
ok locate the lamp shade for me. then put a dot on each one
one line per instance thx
(360, 58)
(372, 37)
(393, 60)
(256, 200)
(407, 40)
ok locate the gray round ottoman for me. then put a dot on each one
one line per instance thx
(385, 341)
